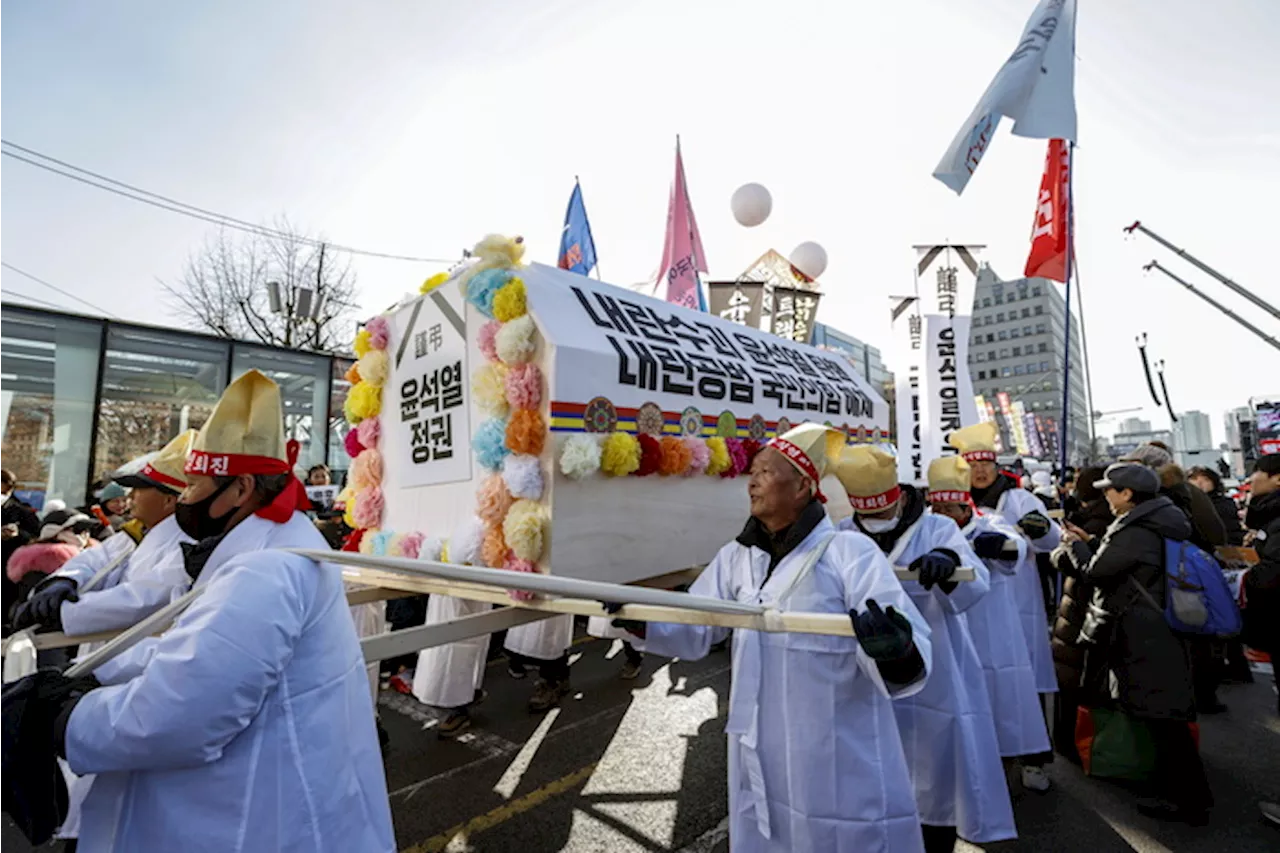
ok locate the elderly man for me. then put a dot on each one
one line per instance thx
(947, 730)
(248, 726)
(815, 761)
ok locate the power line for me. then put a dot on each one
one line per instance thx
(54, 287)
(172, 205)
(11, 292)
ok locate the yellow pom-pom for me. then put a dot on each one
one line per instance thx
(374, 367)
(444, 551)
(496, 250)
(720, 459)
(620, 454)
(488, 386)
(362, 344)
(524, 528)
(434, 282)
(366, 541)
(509, 302)
(348, 513)
(363, 401)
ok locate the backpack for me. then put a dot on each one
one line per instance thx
(1198, 599)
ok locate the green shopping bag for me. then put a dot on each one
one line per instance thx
(1114, 745)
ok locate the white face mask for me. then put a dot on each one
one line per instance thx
(878, 525)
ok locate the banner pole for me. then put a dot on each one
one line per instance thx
(1064, 434)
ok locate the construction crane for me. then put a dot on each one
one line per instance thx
(1216, 304)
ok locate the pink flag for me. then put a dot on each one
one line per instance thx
(682, 255)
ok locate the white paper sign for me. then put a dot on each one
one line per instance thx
(908, 342)
(425, 423)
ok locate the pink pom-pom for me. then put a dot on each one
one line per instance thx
(368, 511)
(351, 441)
(489, 339)
(701, 455)
(515, 564)
(738, 460)
(379, 332)
(411, 544)
(524, 386)
(370, 431)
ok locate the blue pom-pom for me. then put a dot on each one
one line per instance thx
(490, 443)
(483, 286)
(381, 540)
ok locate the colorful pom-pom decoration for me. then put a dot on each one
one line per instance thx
(370, 432)
(650, 455)
(366, 471)
(524, 386)
(433, 282)
(367, 541)
(738, 461)
(516, 341)
(488, 339)
(363, 401)
(526, 433)
(382, 543)
(676, 456)
(353, 373)
(620, 454)
(515, 564)
(351, 442)
(374, 367)
(511, 301)
(351, 543)
(523, 476)
(524, 529)
(432, 550)
(494, 550)
(720, 460)
(493, 499)
(349, 512)
(580, 456)
(489, 388)
(411, 545)
(484, 286)
(751, 447)
(369, 507)
(466, 542)
(699, 455)
(362, 345)
(379, 332)
(490, 443)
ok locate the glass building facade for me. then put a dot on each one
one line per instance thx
(81, 396)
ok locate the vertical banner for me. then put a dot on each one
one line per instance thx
(794, 311)
(946, 306)
(1033, 437)
(991, 415)
(905, 327)
(738, 302)
(1019, 429)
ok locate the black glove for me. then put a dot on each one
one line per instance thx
(44, 607)
(883, 634)
(1034, 524)
(935, 567)
(631, 626)
(989, 545)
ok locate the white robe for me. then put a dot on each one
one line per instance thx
(547, 639)
(947, 729)
(996, 627)
(1029, 594)
(448, 676)
(815, 761)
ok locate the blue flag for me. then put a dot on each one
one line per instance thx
(577, 249)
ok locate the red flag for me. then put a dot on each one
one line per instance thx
(1048, 258)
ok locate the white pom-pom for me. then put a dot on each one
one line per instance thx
(464, 545)
(523, 475)
(751, 204)
(431, 549)
(580, 457)
(515, 342)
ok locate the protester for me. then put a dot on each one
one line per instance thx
(1149, 664)
(1262, 582)
(815, 761)
(996, 491)
(248, 724)
(1209, 481)
(948, 734)
(543, 644)
(63, 534)
(993, 620)
(114, 501)
(318, 475)
(21, 525)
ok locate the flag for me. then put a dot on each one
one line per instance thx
(682, 255)
(1035, 87)
(1048, 258)
(577, 249)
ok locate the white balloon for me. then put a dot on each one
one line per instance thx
(810, 258)
(751, 204)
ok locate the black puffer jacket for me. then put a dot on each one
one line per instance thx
(1093, 516)
(1262, 583)
(1150, 663)
(1229, 512)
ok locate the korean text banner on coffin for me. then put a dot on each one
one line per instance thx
(622, 358)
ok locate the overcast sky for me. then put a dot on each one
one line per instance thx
(417, 127)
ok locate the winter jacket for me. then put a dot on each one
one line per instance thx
(1150, 664)
(1262, 582)
(1229, 512)
(42, 558)
(1093, 517)
(1207, 530)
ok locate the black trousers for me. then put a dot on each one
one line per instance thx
(1205, 671)
(1180, 776)
(553, 671)
(939, 839)
(633, 655)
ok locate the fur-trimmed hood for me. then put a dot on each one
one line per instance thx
(43, 557)
(1171, 474)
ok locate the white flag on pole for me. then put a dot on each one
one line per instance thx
(1035, 87)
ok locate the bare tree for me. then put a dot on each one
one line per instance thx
(224, 289)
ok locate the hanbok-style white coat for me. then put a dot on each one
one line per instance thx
(815, 761)
(947, 730)
(448, 676)
(544, 640)
(996, 627)
(247, 725)
(1013, 505)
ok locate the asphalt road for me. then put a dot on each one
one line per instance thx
(640, 766)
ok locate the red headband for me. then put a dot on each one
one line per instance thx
(280, 510)
(161, 477)
(884, 500)
(951, 497)
(802, 461)
(979, 456)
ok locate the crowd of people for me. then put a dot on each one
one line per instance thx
(249, 723)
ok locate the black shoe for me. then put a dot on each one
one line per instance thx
(547, 695)
(455, 723)
(1270, 813)
(1165, 810)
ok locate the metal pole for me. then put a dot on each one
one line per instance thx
(1064, 434)
(1216, 304)
(1182, 253)
(1088, 376)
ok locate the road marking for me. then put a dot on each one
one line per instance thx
(503, 813)
(515, 771)
(484, 742)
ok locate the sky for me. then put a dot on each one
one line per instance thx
(417, 127)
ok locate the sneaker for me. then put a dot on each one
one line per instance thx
(1035, 779)
(457, 722)
(1270, 813)
(630, 670)
(1159, 809)
(402, 682)
(547, 695)
(516, 670)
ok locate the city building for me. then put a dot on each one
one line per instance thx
(866, 358)
(81, 396)
(1135, 431)
(1193, 441)
(1017, 347)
